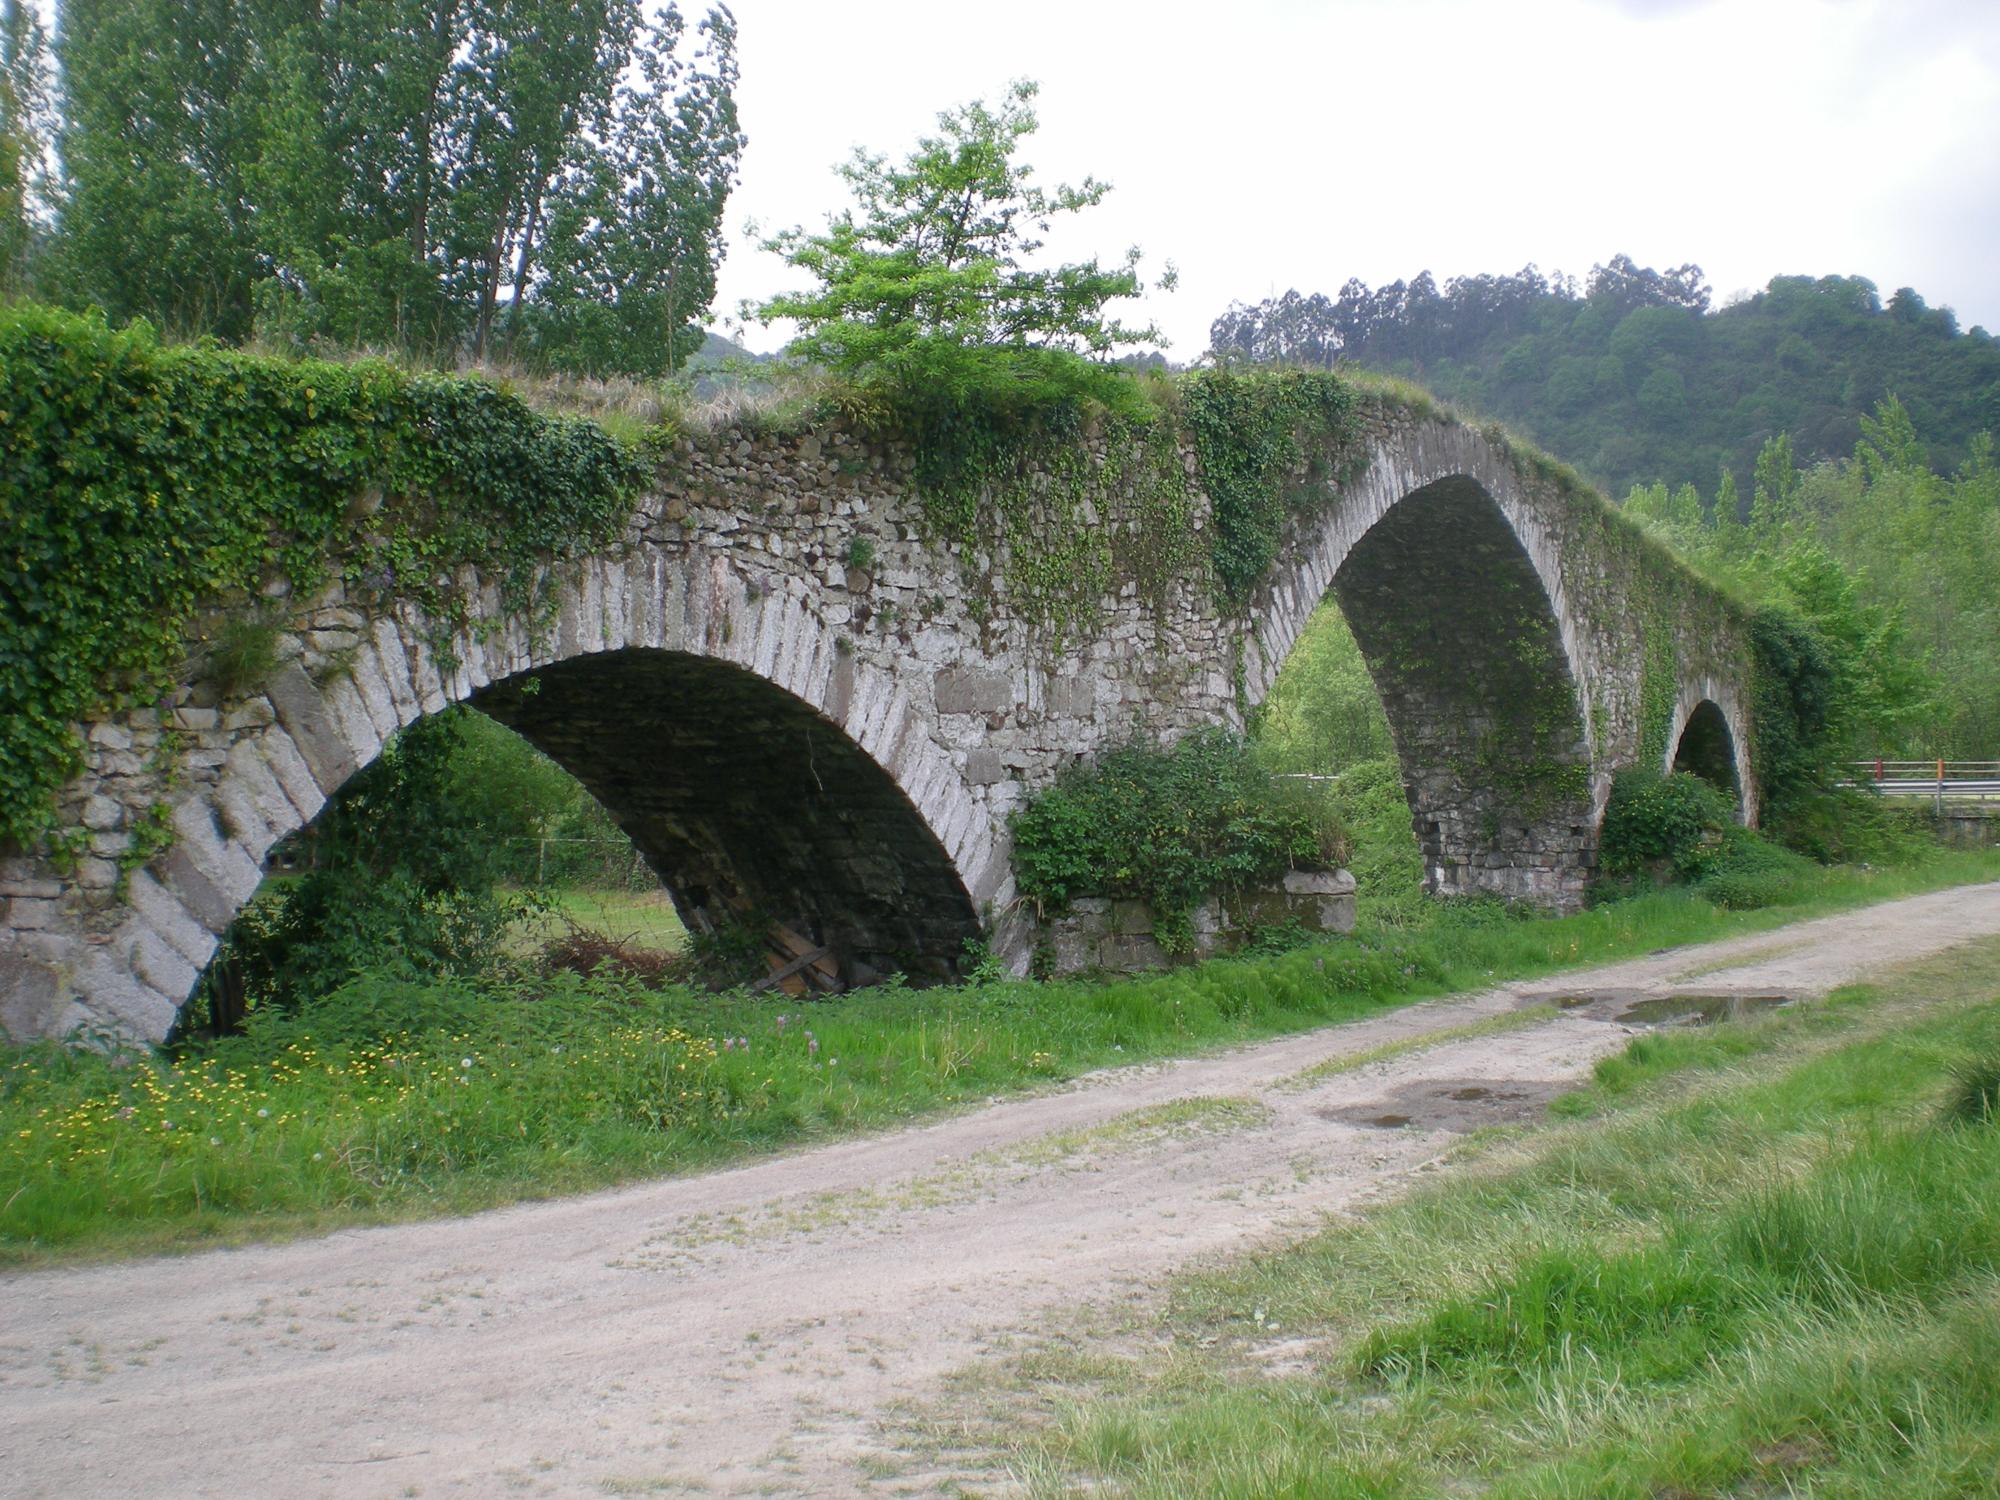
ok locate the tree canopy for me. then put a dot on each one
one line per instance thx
(930, 279)
(541, 177)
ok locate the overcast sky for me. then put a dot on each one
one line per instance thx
(1267, 144)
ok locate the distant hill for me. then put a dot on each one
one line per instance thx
(717, 350)
(1634, 378)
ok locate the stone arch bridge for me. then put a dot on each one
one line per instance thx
(798, 702)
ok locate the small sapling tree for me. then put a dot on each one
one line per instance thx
(926, 284)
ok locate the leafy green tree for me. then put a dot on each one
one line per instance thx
(635, 230)
(162, 102)
(1774, 502)
(534, 87)
(1590, 371)
(927, 283)
(403, 172)
(26, 142)
(1323, 713)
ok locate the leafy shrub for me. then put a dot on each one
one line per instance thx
(1170, 827)
(1676, 820)
(1751, 872)
(1843, 825)
(1681, 827)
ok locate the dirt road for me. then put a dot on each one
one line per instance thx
(742, 1332)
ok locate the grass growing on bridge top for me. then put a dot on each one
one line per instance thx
(397, 1100)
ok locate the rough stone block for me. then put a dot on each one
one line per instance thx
(119, 998)
(972, 690)
(1073, 697)
(164, 913)
(1071, 949)
(1130, 953)
(1130, 918)
(983, 767)
(312, 728)
(157, 964)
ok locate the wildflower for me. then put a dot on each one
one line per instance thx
(316, 1156)
(215, 1140)
(465, 1062)
(166, 1124)
(812, 1044)
(833, 1062)
(263, 1114)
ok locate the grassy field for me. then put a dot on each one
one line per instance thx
(1766, 1262)
(644, 921)
(396, 1099)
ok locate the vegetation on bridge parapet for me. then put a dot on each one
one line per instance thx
(1267, 442)
(1013, 478)
(148, 484)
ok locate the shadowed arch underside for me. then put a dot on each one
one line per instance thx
(749, 805)
(1707, 749)
(1467, 654)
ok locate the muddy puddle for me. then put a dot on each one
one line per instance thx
(1456, 1104)
(1650, 1008)
(1698, 1010)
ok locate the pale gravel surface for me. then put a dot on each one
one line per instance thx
(745, 1331)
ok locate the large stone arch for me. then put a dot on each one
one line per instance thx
(1453, 587)
(750, 804)
(868, 802)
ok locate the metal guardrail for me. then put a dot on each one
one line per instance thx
(1940, 780)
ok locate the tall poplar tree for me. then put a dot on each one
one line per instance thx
(635, 229)
(161, 109)
(26, 139)
(438, 176)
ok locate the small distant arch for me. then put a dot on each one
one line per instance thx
(1706, 746)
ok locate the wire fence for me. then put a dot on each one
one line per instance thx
(594, 864)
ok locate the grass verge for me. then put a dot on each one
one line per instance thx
(1769, 1265)
(395, 1099)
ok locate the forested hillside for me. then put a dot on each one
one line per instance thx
(1633, 376)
